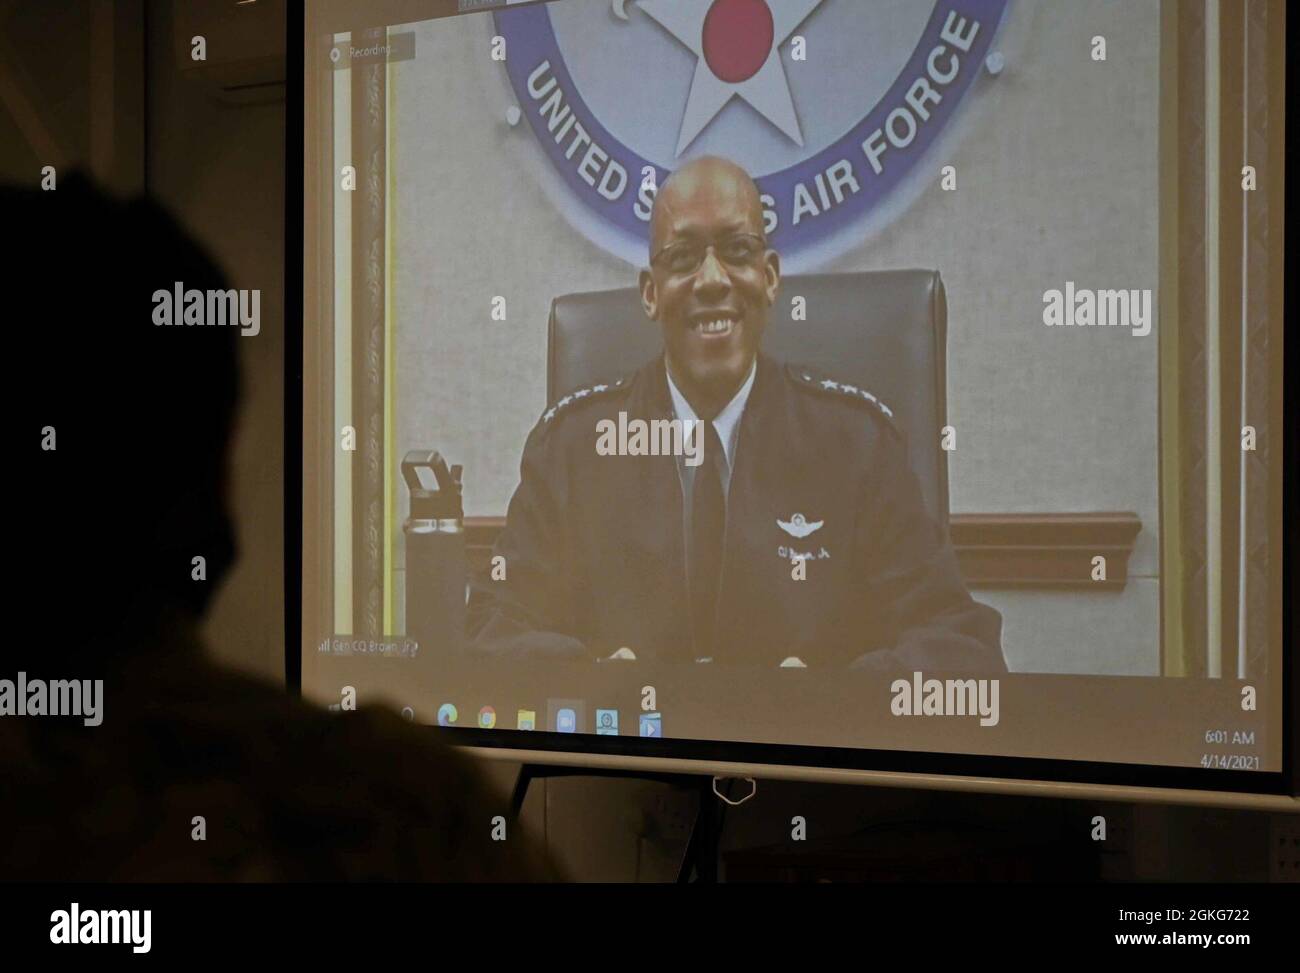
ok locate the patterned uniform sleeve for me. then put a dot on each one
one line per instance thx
(529, 612)
(918, 609)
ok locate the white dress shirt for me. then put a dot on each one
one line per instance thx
(726, 423)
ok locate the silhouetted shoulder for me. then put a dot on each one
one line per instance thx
(199, 774)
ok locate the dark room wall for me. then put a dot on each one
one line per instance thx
(216, 159)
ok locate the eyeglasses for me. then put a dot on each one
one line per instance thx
(738, 251)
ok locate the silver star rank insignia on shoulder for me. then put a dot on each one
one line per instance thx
(816, 380)
(578, 395)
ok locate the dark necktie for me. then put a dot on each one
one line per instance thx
(708, 518)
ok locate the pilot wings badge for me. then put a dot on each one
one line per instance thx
(798, 526)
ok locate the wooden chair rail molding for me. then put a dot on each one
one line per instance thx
(1052, 550)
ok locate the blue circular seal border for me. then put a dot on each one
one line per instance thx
(530, 40)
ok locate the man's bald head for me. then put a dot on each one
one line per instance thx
(711, 180)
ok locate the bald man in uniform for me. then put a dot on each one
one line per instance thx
(694, 557)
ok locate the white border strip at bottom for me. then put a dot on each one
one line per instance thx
(1065, 790)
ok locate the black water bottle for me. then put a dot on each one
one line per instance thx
(435, 556)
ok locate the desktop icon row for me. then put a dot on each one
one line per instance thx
(563, 716)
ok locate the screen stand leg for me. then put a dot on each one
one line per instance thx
(701, 855)
(702, 849)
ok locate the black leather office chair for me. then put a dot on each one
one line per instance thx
(885, 331)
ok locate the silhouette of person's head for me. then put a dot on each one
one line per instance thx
(122, 424)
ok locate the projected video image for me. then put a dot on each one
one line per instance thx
(817, 372)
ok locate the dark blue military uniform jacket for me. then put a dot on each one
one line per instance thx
(596, 558)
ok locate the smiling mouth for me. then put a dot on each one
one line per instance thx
(715, 327)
